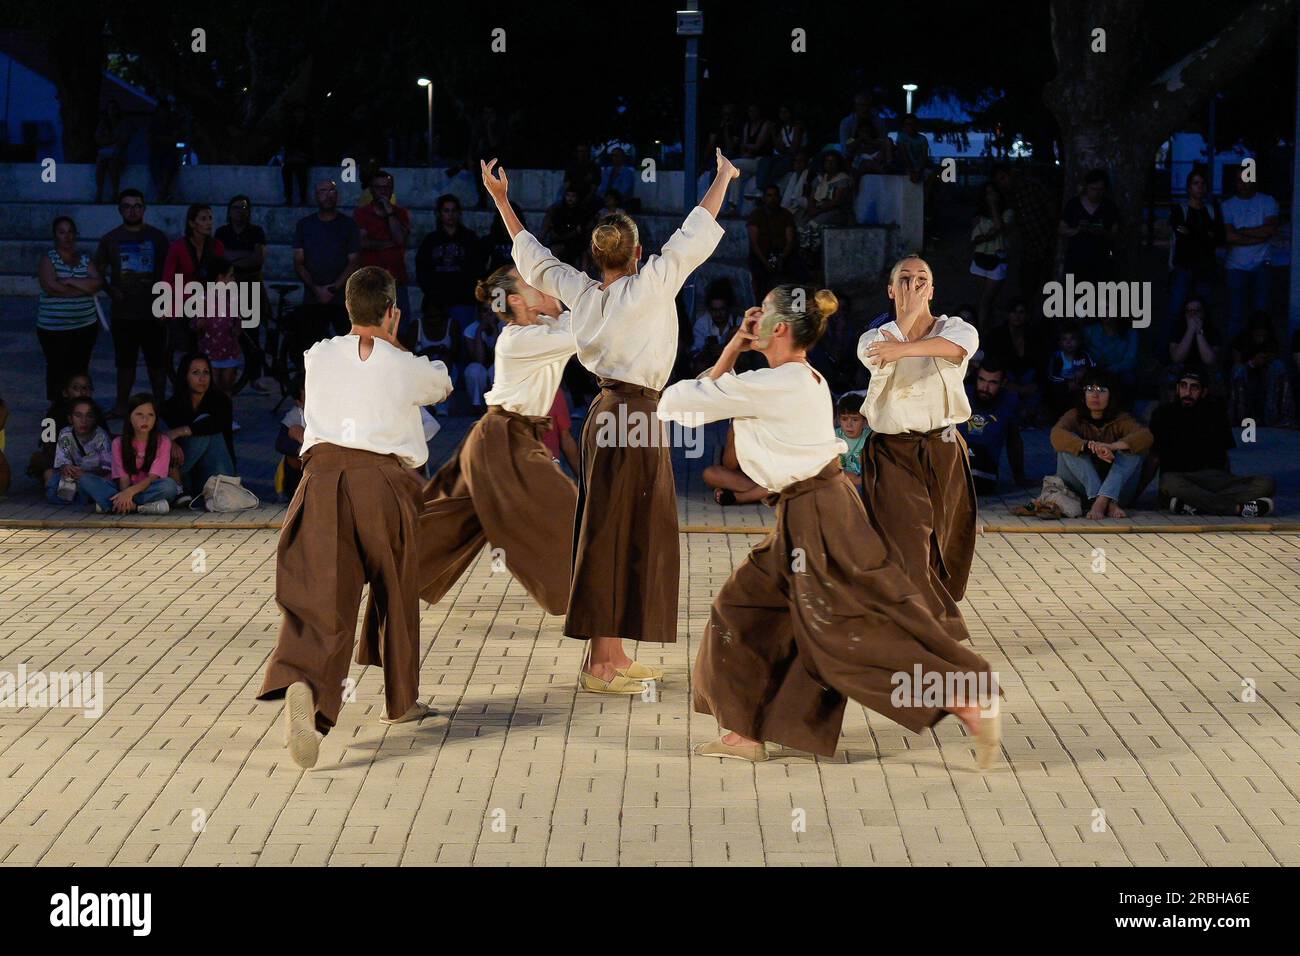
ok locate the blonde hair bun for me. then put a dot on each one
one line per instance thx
(826, 303)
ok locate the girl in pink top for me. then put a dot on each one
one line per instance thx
(141, 459)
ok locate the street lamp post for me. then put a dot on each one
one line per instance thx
(428, 86)
(910, 88)
(690, 24)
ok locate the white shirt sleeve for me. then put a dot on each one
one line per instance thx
(685, 252)
(703, 400)
(542, 342)
(876, 369)
(544, 272)
(432, 383)
(960, 332)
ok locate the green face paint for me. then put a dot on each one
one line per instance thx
(766, 325)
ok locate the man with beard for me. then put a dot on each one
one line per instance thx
(1192, 441)
(993, 426)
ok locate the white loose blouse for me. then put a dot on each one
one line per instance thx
(784, 419)
(918, 393)
(628, 331)
(529, 363)
(372, 404)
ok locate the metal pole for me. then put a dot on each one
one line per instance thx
(429, 88)
(690, 192)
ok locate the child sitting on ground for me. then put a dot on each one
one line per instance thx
(289, 440)
(853, 431)
(83, 457)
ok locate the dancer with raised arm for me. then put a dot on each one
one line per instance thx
(819, 612)
(352, 520)
(916, 471)
(626, 558)
(502, 487)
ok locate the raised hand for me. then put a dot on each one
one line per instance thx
(494, 179)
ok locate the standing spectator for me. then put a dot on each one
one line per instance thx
(851, 428)
(1250, 222)
(1099, 449)
(1192, 439)
(83, 453)
(617, 176)
(1113, 345)
(1196, 228)
(67, 322)
(831, 201)
(446, 265)
(994, 424)
(1066, 370)
(1261, 387)
(111, 138)
(564, 228)
(164, 161)
(141, 465)
(989, 250)
(296, 138)
(385, 231)
(1194, 344)
(217, 331)
(199, 420)
(245, 245)
(1090, 224)
(862, 137)
(480, 345)
(326, 250)
(131, 259)
(191, 258)
(773, 245)
(1035, 220)
(558, 439)
(1023, 348)
(756, 141)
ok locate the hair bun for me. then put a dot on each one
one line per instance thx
(826, 302)
(481, 291)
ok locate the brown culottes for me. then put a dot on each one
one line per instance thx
(920, 491)
(501, 487)
(352, 522)
(625, 551)
(819, 613)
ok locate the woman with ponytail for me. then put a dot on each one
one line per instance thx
(916, 471)
(625, 557)
(502, 487)
(820, 612)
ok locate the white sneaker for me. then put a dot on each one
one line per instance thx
(159, 507)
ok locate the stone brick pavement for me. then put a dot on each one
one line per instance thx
(1124, 658)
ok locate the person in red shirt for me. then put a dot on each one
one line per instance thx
(190, 259)
(385, 229)
(559, 439)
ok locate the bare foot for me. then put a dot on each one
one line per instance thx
(1113, 510)
(1098, 509)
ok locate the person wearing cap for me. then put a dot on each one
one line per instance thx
(1192, 439)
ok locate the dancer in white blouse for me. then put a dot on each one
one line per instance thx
(916, 471)
(819, 612)
(626, 560)
(502, 487)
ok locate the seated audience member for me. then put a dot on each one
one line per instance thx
(564, 228)
(199, 421)
(773, 245)
(480, 339)
(1261, 387)
(141, 465)
(713, 329)
(830, 202)
(1113, 345)
(218, 331)
(1066, 369)
(1099, 448)
(1192, 439)
(1194, 344)
(558, 439)
(77, 385)
(731, 486)
(619, 176)
(795, 186)
(83, 455)
(993, 425)
(1023, 348)
(288, 442)
(854, 432)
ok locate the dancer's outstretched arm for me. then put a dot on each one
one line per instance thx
(712, 200)
(494, 180)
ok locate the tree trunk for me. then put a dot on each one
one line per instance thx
(76, 48)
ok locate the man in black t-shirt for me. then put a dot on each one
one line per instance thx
(1192, 438)
(1090, 224)
(245, 245)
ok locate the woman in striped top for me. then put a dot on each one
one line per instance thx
(67, 322)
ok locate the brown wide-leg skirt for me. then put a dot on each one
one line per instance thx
(920, 491)
(501, 487)
(625, 551)
(820, 613)
(352, 522)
